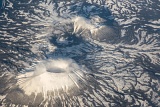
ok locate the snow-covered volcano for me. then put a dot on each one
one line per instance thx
(79, 53)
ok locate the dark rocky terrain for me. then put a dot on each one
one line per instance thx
(84, 53)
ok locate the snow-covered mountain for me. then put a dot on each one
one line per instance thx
(80, 53)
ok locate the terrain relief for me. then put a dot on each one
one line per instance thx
(79, 53)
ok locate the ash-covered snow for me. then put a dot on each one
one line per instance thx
(93, 53)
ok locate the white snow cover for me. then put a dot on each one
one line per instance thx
(50, 75)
